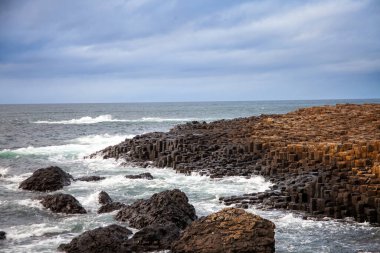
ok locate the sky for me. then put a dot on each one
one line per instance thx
(73, 51)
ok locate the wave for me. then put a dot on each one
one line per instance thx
(74, 148)
(109, 118)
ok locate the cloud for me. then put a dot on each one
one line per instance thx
(140, 42)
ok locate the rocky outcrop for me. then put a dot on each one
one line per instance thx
(153, 238)
(3, 235)
(323, 160)
(107, 203)
(90, 178)
(141, 176)
(104, 198)
(108, 239)
(62, 203)
(47, 179)
(110, 207)
(171, 206)
(230, 230)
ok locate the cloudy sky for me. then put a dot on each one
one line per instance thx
(180, 50)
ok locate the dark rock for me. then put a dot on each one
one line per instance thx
(171, 206)
(104, 198)
(3, 235)
(153, 238)
(110, 207)
(141, 176)
(108, 239)
(90, 178)
(62, 203)
(47, 179)
(229, 230)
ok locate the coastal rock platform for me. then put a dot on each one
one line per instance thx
(324, 161)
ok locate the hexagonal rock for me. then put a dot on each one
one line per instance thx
(229, 230)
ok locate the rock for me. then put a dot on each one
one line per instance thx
(331, 165)
(90, 178)
(62, 203)
(153, 238)
(110, 207)
(47, 179)
(171, 206)
(104, 198)
(3, 235)
(108, 239)
(229, 230)
(141, 176)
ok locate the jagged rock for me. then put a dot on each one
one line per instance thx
(229, 230)
(62, 203)
(141, 176)
(3, 235)
(90, 178)
(110, 207)
(171, 206)
(104, 198)
(47, 179)
(153, 238)
(108, 239)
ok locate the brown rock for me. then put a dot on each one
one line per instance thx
(230, 230)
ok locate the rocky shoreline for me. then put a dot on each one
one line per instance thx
(323, 161)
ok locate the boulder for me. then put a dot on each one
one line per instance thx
(47, 179)
(171, 206)
(62, 203)
(108, 239)
(141, 176)
(90, 178)
(110, 207)
(153, 238)
(229, 230)
(104, 198)
(3, 235)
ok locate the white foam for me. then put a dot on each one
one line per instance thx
(76, 148)
(83, 120)
(109, 118)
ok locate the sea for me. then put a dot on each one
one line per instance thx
(37, 136)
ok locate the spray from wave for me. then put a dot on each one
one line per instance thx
(109, 118)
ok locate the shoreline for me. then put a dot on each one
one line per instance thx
(323, 161)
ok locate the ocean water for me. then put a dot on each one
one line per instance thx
(35, 136)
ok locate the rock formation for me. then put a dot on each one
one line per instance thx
(171, 206)
(107, 203)
(323, 160)
(62, 203)
(47, 179)
(3, 235)
(108, 239)
(104, 198)
(90, 178)
(230, 230)
(141, 176)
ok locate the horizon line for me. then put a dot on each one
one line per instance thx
(210, 101)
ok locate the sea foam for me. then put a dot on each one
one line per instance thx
(109, 118)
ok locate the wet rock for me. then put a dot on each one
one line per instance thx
(171, 206)
(110, 207)
(108, 239)
(47, 179)
(230, 230)
(62, 203)
(153, 238)
(104, 198)
(3, 235)
(141, 176)
(90, 178)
